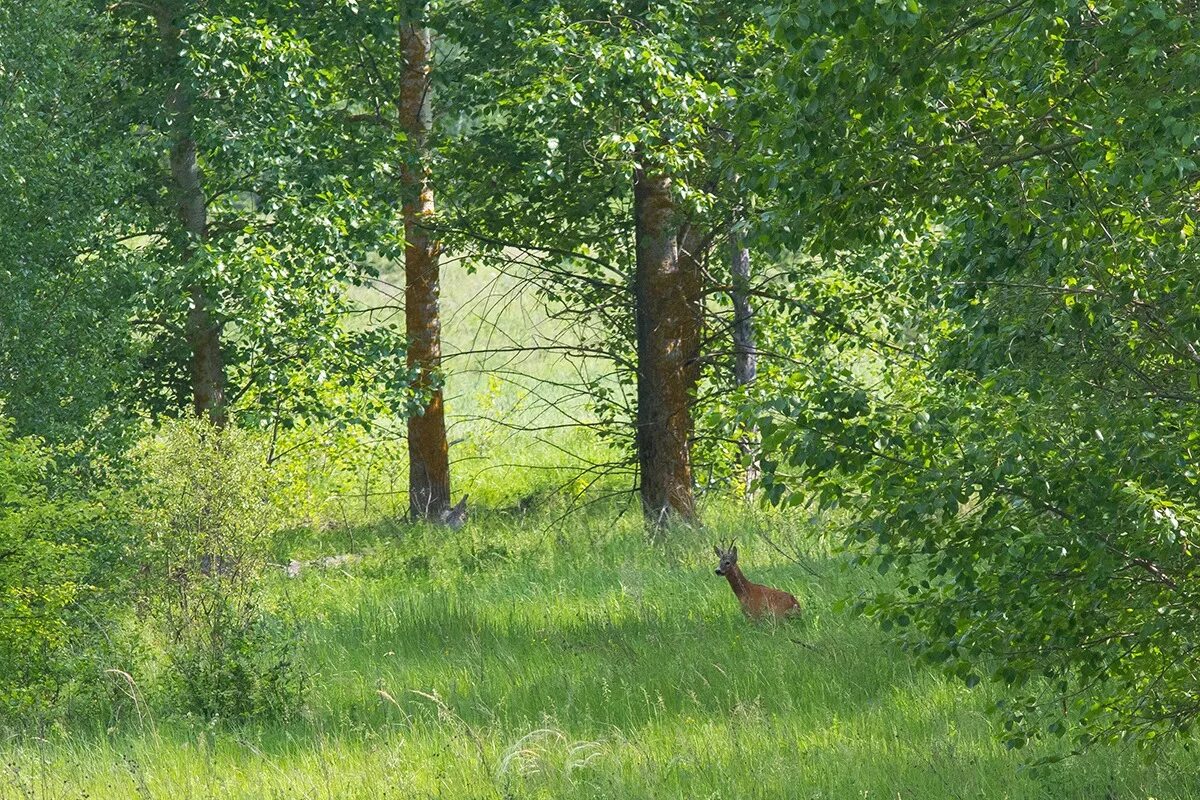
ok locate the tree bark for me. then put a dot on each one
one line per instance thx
(208, 368)
(428, 451)
(202, 329)
(668, 314)
(745, 354)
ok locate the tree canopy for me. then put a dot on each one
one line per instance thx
(973, 290)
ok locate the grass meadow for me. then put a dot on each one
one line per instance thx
(520, 659)
(543, 654)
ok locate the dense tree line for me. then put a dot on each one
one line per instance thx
(940, 257)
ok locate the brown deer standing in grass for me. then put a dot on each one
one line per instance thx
(757, 601)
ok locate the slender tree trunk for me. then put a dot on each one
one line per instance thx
(668, 337)
(745, 354)
(202, 329)
(208, 368)
(428, 451)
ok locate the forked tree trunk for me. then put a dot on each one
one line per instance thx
(668, 340)
(745, 354)
(428, 452)
(202, 329)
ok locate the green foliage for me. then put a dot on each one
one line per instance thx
(294, 207)
(61, 572)
(65, 293)
(1012, 422)
(210, 507)
(244, 668)
(96, 267)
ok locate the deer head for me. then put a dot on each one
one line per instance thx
(727, 556)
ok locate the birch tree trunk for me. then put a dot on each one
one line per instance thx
(745, 354)
(202, 330)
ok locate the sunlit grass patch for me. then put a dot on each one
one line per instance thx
(601, 664)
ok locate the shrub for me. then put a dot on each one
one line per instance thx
(60, 578)
(210, 510)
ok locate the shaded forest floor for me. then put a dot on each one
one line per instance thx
(529, 657)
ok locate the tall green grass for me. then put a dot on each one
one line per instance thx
(555, 655)
(529, 658)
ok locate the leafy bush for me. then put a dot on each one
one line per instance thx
(210, 510)
(60, 571)
(241, 666)
(1033, 506)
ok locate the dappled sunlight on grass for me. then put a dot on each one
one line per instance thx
(592, 664)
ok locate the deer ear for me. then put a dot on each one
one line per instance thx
(733, 552)
(717, 550)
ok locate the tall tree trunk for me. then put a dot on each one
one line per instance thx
(428, 451)
(202, 330)
(745, 354)
(668, 341)
(208, 368)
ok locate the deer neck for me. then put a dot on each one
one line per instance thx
(737, 581)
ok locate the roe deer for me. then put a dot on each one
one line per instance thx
(757, 601)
